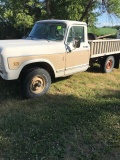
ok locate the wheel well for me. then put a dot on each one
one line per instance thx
(117, 61)
(101, 60)
(43, 65)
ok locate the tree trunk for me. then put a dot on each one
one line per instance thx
(48, 7)
(90, 3)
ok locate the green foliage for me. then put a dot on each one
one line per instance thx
(113, 6)
(71, 9)
(19, 15)
(23, 19)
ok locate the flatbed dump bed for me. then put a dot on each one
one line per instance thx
(100, 48)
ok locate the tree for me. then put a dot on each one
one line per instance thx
(81, 9)
(18, 16)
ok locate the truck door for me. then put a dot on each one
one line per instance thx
(77, 59)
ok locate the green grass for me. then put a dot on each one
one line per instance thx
(103, 31)
(79, 119)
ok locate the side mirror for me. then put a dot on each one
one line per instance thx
(76, 42)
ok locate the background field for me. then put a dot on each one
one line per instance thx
(104, 31)
(79, 119)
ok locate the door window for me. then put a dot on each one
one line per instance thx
(74, 32)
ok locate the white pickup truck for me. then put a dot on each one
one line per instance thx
(54, 48)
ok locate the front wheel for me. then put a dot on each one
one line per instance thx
(108, 64)
(35, 83)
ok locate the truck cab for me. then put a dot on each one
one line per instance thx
(62, 36)
(53, 48)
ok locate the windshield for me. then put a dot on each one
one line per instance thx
(48, 30)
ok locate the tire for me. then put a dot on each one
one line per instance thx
(35, 83)
(91, 36)
(108, 64)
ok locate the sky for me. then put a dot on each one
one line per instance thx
(107, 20)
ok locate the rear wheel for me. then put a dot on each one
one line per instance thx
(108, 64)
(35, 83)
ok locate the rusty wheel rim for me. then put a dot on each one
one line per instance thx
(109, 64)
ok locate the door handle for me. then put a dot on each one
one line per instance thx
(85, 46)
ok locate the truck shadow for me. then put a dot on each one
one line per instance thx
(9, 89)
(59, 127)
(94, 69)
(54, 80)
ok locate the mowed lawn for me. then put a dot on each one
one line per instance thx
(79, 119)
(106, 31)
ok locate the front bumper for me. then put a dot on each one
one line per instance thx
(11, 75)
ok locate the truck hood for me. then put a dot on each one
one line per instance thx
(20, 42)
(29, 47)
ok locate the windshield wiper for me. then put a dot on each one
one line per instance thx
(38, 38)
(30, 37)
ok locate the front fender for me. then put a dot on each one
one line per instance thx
(37, 61)
(16, 66)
